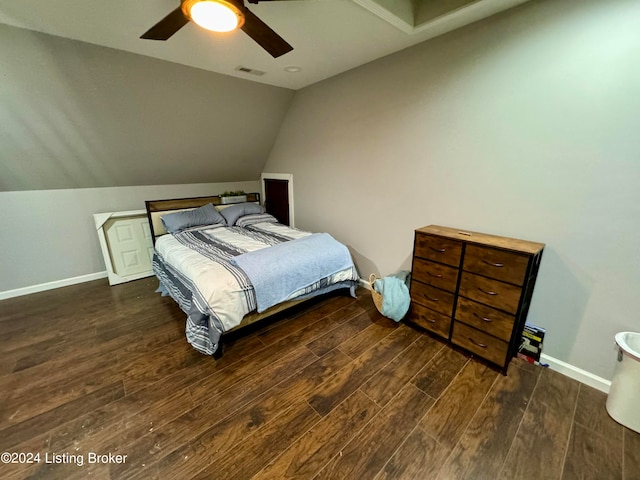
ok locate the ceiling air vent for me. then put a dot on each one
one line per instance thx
(252, 71)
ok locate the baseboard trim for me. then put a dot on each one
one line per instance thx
(576, 373)
(18, 292)
(559, 366)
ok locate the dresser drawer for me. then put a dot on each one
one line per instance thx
(432, 297)
(494, 293)
(435, 274)
(486, 319)
(499, 264)
(440, 249)
(483, 345)
(430, 320)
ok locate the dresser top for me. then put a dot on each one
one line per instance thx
(468, 236)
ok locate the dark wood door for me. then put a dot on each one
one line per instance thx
(276, 201)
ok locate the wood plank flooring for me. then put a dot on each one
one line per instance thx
(331, 390)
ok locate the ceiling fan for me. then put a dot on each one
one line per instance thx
(226, 15)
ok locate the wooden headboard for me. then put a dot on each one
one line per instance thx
(156, 208)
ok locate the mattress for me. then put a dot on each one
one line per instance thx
(195, 268)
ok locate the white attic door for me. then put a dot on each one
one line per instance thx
(126, 244)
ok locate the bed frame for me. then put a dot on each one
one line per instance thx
(155, 210)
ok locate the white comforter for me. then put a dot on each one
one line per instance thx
(199, 260)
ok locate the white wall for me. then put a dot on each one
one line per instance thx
(50, 235)
(524, 125)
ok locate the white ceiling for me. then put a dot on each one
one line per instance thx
(328, 36)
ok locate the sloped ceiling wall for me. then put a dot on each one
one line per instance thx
(75, 115)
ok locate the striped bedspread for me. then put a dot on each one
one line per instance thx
(195, 268)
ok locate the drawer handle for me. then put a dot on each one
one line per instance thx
(484, 319)
(490, 292)
(440, 250)
(429, 298)
(434, 275)
(481, 345)
(429, 320)
(499, 265)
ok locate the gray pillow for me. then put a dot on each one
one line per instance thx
(234, 212)
(249, 220)
(205, 215)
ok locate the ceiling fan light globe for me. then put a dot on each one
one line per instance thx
(217, 16)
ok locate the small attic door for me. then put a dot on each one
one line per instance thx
(127, 248)
(277, 191)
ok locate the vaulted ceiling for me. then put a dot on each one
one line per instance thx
(328, 36)
(85, 103)
(76, 115)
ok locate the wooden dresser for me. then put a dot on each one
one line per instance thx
(473, 289)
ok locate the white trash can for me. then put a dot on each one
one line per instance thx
(623, 402)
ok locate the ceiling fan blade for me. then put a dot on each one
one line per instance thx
(167, 26)
(262, 34)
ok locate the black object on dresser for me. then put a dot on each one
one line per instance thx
(473, 289)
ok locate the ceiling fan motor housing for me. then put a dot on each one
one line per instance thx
(236, 6)
(249, 23)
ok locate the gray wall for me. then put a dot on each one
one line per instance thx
(524, 125)
(75, 115)
(50, 235)
(86, 129)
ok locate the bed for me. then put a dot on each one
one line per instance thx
(228, 266)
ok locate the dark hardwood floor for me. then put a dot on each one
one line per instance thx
(329, 391)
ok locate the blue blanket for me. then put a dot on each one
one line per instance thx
(279, 271)
(395, 295)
